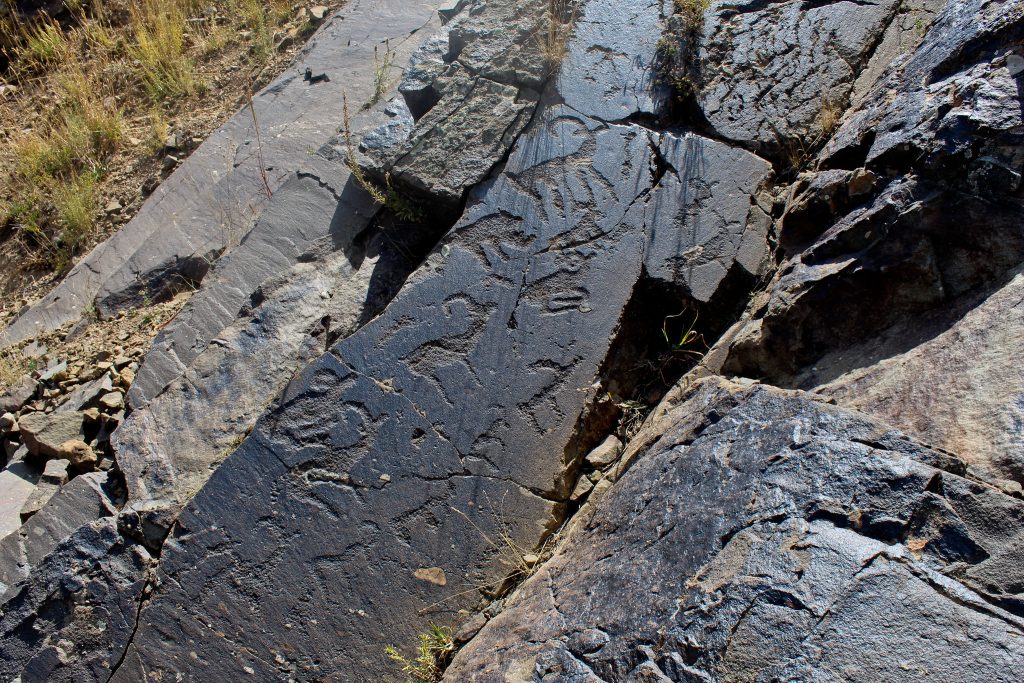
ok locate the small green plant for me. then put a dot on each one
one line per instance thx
(381, 73)
(689, 337)
(433, 653)
(388, 197)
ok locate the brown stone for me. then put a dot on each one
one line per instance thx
(79, 453)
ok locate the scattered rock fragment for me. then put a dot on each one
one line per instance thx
(606, 453)
(45, 434)
(79, 454)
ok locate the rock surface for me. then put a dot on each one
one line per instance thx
(434, 422)
(452, 415)
(767, 536)
(72, 621)
(769, 71)
(17, 482)
(75, 504)
(974, 360)
(213, 198)
(937, 127)
(46, 434)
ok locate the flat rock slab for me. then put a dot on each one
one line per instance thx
(767, 536)
(452, 415)
(213, 198)
(769, 69)
(169, 448)
(961, 388)
(78, 503)
(17, 483)
(72, 621)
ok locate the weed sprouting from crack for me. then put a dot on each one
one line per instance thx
(381, 73)
(434, 651)
(387, 196)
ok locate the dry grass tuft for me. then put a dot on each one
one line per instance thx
(12, 367)
(559, 21)
(108, 71)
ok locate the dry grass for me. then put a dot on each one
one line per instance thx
(381, 73)
(111, 66)
(12, 367)
(559, 21)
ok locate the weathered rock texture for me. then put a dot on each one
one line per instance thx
(771, 72)
(73, 620)
(437, 435)
(913, 214)
(452, 415)
(767, 536)
(76, 504)
(212, 200)
(961, 388)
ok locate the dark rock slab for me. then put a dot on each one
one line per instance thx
(768, 536)
(452, 415)
(215, 196)
(316, 202)
(169, 448)
(768, 70)
(610, 74)
(81, 501)
(940, 219)
(14, 398)
(471, 90)
(72, 621)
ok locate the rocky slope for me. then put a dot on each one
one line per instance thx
(789, 230)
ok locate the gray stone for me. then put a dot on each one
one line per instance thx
(769, 69)
(54, 371)
(17, 483)
(462, 396)
(766, 536)
(72, 621)
(78, 503)
(209, 203)
(472, 89)
(56, 471)
(319, 201)
(41, 495)
(87, 395)
(317, 204)
(15, 398)
(44, 434)
(605, 454)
